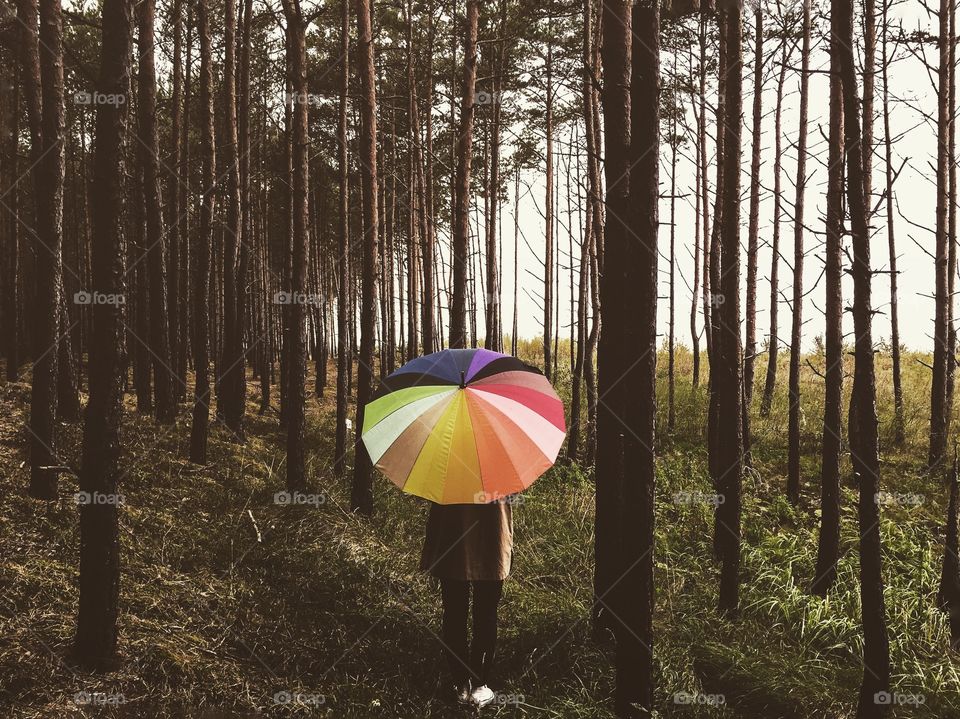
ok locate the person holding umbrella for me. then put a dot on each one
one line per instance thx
(466, 429)
(469, 548)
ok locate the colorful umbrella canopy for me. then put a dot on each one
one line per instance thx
(464, 426)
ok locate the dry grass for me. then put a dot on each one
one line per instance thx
(228, 598)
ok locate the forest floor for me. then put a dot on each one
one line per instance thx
(235, 606)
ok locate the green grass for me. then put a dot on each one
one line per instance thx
(216, 621)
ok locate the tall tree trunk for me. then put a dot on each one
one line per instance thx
(697, 244)
(41, 57)
(948, 595)
(729, 380)
(388, 253)
(343, 249)
(941, 324)
(142, 361)
(899, 420)
(704, 185)
(361, 499)
(616, 55)
(717, 298)
(472, 280)
(401, 305)
(951, 216)
(185, 185)
(149, 149)
(67, 404)
(793, 432)
(268, 324)
(583, 285)
(753, 232)
(461, 243)
(428, 239)
(596, 240)
(629, 285)
(215, 299)
(95, 642)
(828, 547)
(773, 341)
(548, 217)
(246, 215)
(671, 325)
(716, 292)
(286, 252)
(449, 274)
(175, 312)
(202, 246)
(864, 449)
(232, 389)
(516, 265)
(11, 294)
(492, 339)
(580, 322)
(869, 75)
(295, 348)
(413, 205)
(68, 388)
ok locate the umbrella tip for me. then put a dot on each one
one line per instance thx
(463, 382)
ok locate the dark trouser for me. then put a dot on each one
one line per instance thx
(474, 665)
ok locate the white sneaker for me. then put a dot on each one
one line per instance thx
(482, 696)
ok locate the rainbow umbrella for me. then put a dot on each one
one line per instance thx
(464, 426)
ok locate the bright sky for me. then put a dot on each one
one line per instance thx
(912, 92)
(912, 89)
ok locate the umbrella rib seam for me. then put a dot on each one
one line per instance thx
(403, 406)
(496, 437)
(427, 438)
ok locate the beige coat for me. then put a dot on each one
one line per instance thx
(469, 541)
